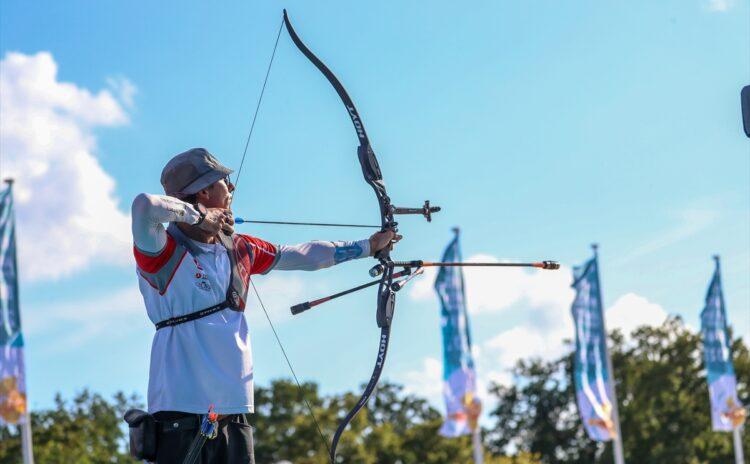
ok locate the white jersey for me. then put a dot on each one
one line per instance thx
(209, 360)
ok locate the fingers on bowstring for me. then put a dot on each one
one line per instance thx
(229, 216)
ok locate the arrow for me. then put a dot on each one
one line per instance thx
(239, 220)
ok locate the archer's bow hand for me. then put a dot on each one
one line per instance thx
(382, 240)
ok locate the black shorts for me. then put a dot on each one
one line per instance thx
(176, 430)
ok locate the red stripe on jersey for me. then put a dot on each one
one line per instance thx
(264, 254)
(162, 292)
(152, 264)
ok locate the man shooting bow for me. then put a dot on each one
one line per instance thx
(194, 277)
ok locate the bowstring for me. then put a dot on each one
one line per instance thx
(289, 363)
(255, 290)
(257, 106)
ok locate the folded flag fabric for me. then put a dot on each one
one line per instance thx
(727, 412)
(12, 382)
(593, 382)
(463, 407)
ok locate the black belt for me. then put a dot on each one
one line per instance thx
(193, 316)
(176, 422)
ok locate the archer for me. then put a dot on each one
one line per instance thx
(194, 277)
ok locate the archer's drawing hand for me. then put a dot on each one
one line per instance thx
(382, 240)
(218, 219)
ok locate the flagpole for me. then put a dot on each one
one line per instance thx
(476, 434)
(617, 440)
(476, 440)
(739, 455)
(28, 452)
(25, 425)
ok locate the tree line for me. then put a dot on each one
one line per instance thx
(662, 398)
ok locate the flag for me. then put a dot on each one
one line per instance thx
(459, 375)
(726, 411)
(12, 382)
(592, 380)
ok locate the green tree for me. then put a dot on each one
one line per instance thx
(537, 414)
(663, 387)
(394, 428)
(284, 428)
(86, 430)
(662, 398)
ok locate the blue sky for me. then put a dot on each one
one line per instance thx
(539, 127)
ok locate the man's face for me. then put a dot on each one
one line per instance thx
(218, 194)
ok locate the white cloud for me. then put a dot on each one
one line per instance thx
(124, 89)
(68, 216)
(526, 341)
(539, 304)
(631, 311)
(720, 5)
(543, 334)
(426, 382)
(499, 290)
(540, 300)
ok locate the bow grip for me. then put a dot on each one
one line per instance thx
(386, 305)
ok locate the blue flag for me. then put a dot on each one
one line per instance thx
(12, 382)
(726, 411)
(592, 380)
(459, 376)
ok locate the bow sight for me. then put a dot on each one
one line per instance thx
(426, 210)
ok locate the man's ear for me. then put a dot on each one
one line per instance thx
(202, 196)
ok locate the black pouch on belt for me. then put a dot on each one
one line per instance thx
(142, 434)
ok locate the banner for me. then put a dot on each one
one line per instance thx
(590, 373)
(726, 411)
(459, 376)
(12, 383)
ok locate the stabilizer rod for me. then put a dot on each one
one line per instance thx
(396, 286)
(302, 307)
